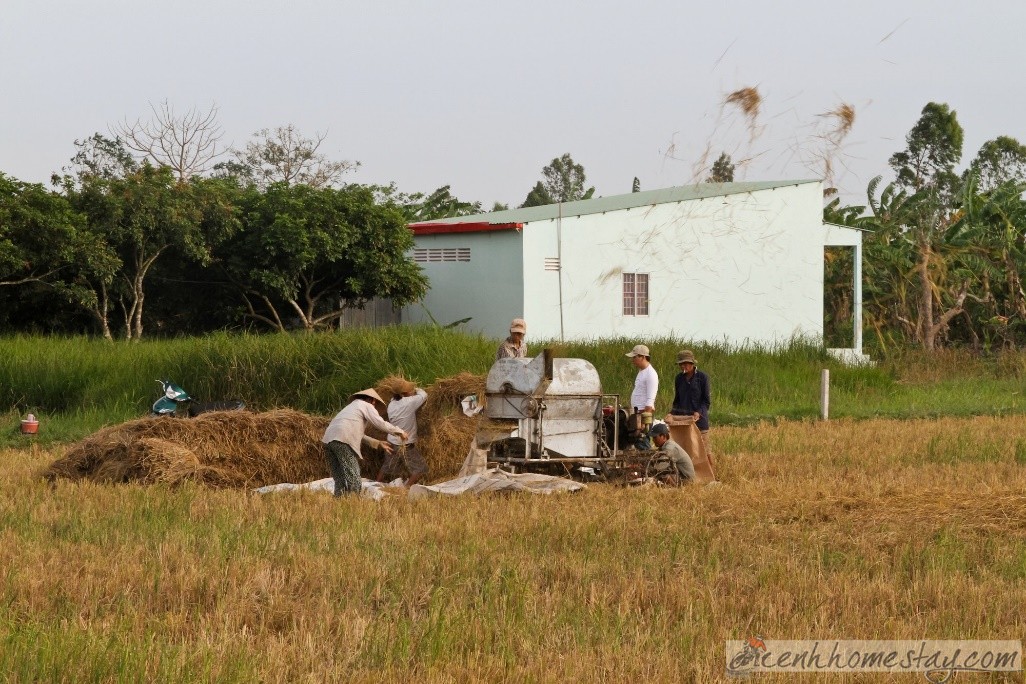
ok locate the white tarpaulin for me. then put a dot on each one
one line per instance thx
(496, 480)
(370, 488)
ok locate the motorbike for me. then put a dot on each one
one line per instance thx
(175, 401)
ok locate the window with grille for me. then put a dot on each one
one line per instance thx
(635, 294)
(430, 254)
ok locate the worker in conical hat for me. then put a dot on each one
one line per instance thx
(345, 433)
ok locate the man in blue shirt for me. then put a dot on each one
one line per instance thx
(691, 396)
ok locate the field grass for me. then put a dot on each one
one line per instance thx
(849, 529)
(77, 385)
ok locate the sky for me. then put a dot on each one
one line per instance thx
(481, 96)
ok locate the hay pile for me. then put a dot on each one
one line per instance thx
(220, 449)
(444, 434)
(244, 449)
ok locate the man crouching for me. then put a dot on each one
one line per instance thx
(660, 434)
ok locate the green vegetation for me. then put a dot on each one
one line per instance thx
(77, 385)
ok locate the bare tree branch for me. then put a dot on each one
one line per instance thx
(285, 155)
(188, 144)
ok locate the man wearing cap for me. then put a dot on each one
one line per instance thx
(681, 460)
(344, 434)
(402, 412)
(646, 386)
(514, 347)
(691, 395)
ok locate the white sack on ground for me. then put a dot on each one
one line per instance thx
(370, 489)
(496, 481)
(475, 462)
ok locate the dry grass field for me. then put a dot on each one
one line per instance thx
(850, 529)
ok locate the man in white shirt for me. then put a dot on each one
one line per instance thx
(402, 412)
(646, 386)
(344, 434)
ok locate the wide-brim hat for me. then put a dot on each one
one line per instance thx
(639, 350)
(518, 325)
(685, 357)
(369, 393)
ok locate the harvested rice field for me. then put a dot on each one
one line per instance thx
(872, 529)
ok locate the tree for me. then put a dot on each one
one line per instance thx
(562, 181)
(38, 233)
(305, 250)
(284, 155)
(934, 146)
(187, 144)
(135, 221)
(926, 170)
(45, 242)
(101, 157)
(913, 258)
(722, 170)
(538, 196)
(998, 161)
(636, 186)
(992, 229)
(439, 204)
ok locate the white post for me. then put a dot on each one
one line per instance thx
(858, 299)
(824, 394)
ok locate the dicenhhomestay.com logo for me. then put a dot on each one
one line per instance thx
(938, 660)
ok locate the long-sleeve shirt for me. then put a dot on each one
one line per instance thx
(691, 395)
(349, 425)
(646, 387)
(681, 459)
(509, 350)
(402, 412)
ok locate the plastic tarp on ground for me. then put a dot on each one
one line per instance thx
(370, 489)
(496, 481)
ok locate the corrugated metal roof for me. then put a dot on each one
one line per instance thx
(599, 205)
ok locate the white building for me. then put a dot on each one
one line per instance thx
(733, 262)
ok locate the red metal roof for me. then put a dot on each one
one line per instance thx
(430, 228)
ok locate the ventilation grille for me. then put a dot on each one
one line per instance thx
(431, 254)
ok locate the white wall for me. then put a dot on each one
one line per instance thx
(489, 287)
(745, 267)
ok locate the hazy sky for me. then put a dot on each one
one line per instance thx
(481, 96)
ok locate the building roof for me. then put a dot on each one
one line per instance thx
(464, 226)
(598, 205)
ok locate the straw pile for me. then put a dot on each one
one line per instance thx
(220, 449)
(444, 433)
(244, 449)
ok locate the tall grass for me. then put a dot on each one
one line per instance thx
(78, 384)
